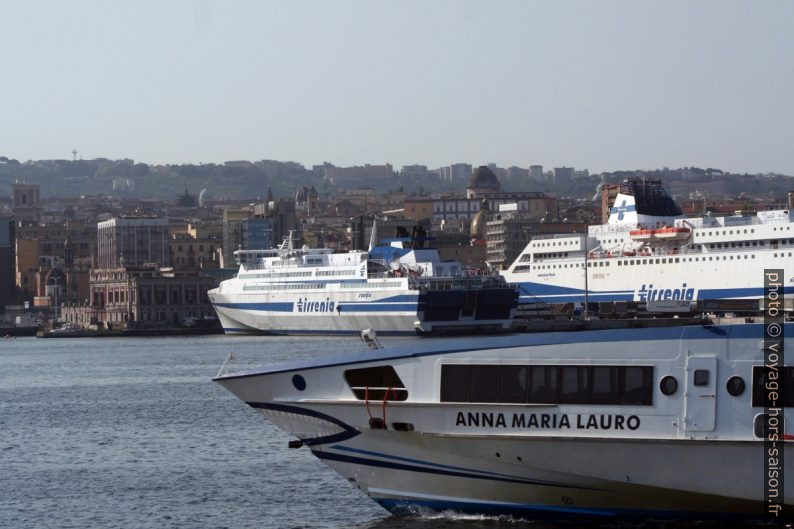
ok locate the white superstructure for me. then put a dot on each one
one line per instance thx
(648, 251)
(394, 289)
(648, 423)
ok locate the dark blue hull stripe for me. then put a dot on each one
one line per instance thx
(331, 456)
(377, 307)
(270, 307)
(348, 432)
(484, 473)
(557, 512)
(553, 293)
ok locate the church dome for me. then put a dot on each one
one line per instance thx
(477, 226)
(483, 178)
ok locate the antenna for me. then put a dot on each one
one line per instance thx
(74, 155)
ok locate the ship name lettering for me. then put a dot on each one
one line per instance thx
(661, 294)
(551, 421)
(315, 306)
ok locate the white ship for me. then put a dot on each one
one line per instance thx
(648, 251)
(394, 289)
(650, 423)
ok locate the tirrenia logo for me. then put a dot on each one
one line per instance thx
(656, 294)
(315, 306)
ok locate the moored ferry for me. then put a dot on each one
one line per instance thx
(398, 287)
(635, 423)
(648, 251)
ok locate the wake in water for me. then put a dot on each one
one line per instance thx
(421, 518)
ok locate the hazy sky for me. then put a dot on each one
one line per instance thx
(595, 84)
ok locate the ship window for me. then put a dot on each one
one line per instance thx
(637, 386)
(483, 385)
(455, 383)
(610, 385)
(760, 422)
(376, 383)
(701, 377)
(543, 384)
(513, 383)
(785, 382)
(574, 384)
(605, 385)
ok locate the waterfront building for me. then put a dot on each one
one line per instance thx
(507, 233)
(133, 241)
(26, 201)
(141, 296)
(42, 247)
(7, 259)
(189, 251)
(244, 231)
(63, 278)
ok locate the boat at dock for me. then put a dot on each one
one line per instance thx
(396, 287)
(649, 251)
(635, 423)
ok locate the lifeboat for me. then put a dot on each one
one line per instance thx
(641, 234)
(672, 233)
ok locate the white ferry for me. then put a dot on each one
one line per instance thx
(649, 423)
(395, 288)
(648, 251)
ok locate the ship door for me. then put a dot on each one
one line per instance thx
(701, 393)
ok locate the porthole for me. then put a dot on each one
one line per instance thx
(299, 382)
(668, 385)
(735, 386)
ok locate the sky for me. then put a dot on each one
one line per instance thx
(603, 85)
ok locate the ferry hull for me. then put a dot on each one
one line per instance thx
(553, 478)
(681, 456)
(401, 313)
(532, 477)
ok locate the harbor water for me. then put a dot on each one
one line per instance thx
(131, 432)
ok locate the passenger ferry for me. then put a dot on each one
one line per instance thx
(395, 288)
(648, 251)
(636, 423)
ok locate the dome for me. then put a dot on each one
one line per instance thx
(483, 177)
(203, 197)
(477, 227)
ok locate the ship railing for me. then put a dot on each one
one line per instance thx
(382, 275)
(455, 282)
(282, 265)
(556, 236)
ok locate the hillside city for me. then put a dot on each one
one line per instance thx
(118, 244)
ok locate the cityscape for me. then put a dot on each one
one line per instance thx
(124, 259)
